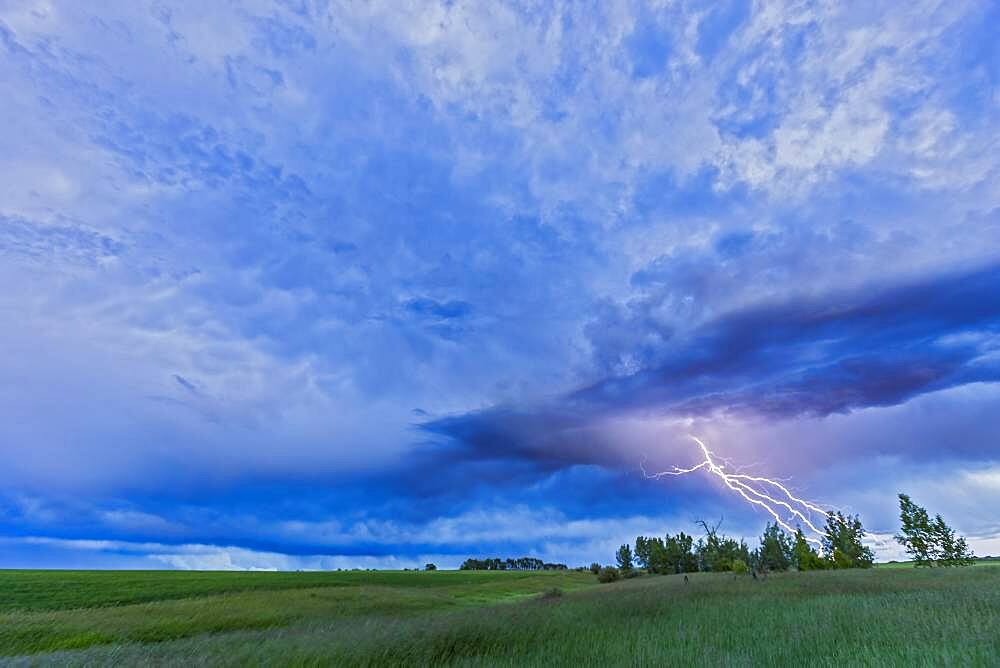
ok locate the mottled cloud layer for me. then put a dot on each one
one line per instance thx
(312, 263)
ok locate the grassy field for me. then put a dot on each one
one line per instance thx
(42, 611)
(62, 590)
(886, 616)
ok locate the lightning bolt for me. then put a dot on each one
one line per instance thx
(776, 499)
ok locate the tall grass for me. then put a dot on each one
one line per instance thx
(879, 617)
(88, 615)
(60, 590)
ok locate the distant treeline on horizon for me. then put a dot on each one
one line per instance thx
(522, 564)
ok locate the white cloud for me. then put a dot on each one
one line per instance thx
(196, 556)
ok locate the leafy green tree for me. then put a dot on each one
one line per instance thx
(915, 533)
(608, 574)
(679, 556)
(658, 558)
(804, 557)
(927, 541)
(740, 550)
(642, 551)
(430, 567)
(775, 549)
(718, 552)
(952, 550)
(842, 544)
(595, 568)
(624, 558)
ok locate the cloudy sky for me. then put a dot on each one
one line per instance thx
(321, 283)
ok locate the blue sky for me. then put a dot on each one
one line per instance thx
(310, 284)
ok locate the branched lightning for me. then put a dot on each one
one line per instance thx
(769, 494)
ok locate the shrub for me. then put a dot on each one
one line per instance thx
(631, 573)
(740, 567)
(608, 574)
(595, 568)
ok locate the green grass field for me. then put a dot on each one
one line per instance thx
(885, 616)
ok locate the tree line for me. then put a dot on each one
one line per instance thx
(928, 542)
(521, 564)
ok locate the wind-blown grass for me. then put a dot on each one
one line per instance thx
(61, 590)
(50, 610)
(904, 617)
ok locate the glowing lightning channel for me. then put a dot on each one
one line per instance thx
(753, 489)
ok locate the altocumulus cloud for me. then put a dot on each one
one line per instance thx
(283, 280)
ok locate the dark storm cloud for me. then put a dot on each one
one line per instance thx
(814, 356)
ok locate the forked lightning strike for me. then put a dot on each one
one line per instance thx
(754, 489)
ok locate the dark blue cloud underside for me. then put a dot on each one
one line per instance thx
(808, 357)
